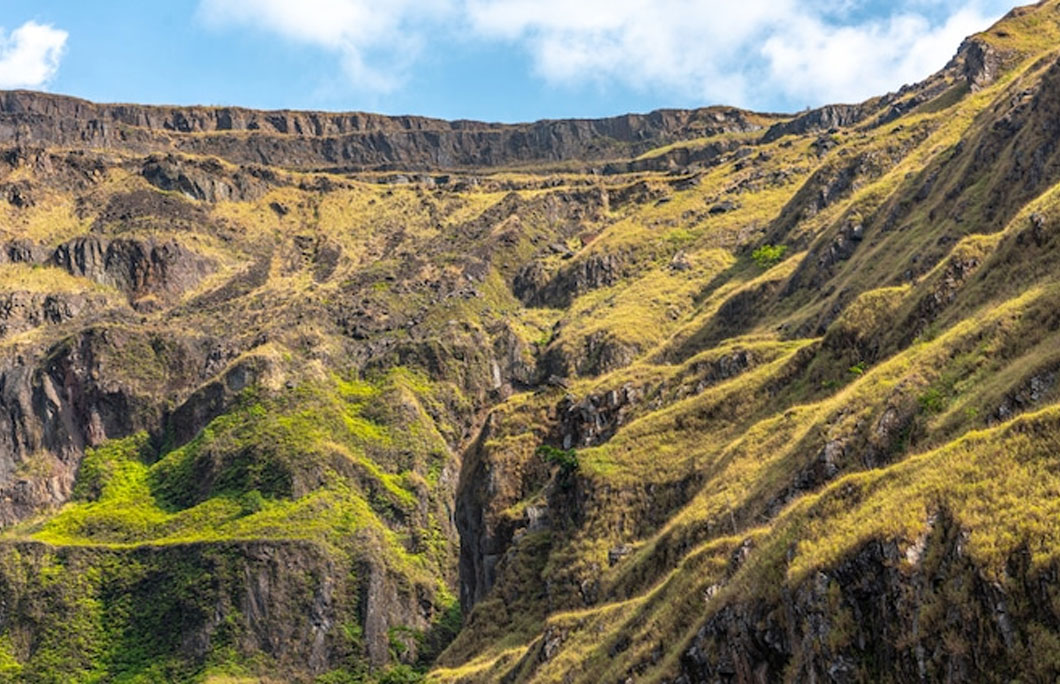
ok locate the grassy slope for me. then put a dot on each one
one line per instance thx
(356, 464)
(744, 446)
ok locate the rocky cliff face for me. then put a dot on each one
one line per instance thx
(928, 614)
(690, 396)
(318, 140)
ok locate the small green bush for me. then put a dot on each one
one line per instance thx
(768, 256)
(566, 459)
(932, 401)
(251, 502)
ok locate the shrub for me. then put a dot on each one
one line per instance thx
(768, 256)
(401, 674)
(251, 502)
(566, 459)
(932, 401)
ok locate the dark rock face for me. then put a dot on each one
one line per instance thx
(210, 400)
(822, 119)
(602, 352)
(206, 181)
(22, 252)
(51, 414)
(479, 544)
(491, 542)
(1032, 392)
(594, 419)
(102, 383)
(590, 273)
(982, 63)
(22, 311)
(280, 599)
(678, 158)
(137, 268)
(882, 614)
(485, 488)
(309, 140)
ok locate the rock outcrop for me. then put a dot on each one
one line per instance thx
(309, 140)
(137, 268)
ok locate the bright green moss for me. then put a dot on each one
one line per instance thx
(768, 256)
(237, 478)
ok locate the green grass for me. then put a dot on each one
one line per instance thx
(45, 280)
(768, 256)
(301, 466)
(290, 467)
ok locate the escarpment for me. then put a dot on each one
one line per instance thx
(319, 140)
(689, 396)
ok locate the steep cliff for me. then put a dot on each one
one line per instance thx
(320, 140)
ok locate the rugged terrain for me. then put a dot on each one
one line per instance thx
(692, 396)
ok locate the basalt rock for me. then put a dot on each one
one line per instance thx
(981, 63)
(137, 268)
(879, 611)
(822, 119)
(22, 311)
(310, 140)
(207, 181)
(583, 275)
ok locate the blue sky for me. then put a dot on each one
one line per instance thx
(498, 60)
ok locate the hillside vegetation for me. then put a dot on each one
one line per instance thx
(693, 396)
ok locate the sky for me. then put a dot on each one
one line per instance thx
(494, 60)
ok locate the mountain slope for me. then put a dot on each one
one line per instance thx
(690, 396)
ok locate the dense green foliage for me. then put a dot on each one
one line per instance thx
(565, 459)
(768, 256)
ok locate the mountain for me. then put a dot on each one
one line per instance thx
(690, 396)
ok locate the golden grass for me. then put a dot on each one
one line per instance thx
(36, 279)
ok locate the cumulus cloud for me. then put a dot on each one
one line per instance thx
(683, 46)
(376, 41)
(826, 63)
(30, 55)
(743, 52)
(746, 53)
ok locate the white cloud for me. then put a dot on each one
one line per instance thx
(686, 46)
(376, 40)
(745, 52)
(30, 55)
(749, 52)
(823, 63)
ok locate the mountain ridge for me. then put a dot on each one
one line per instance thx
(359, 139)
(975, 60)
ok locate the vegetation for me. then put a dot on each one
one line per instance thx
(847, 440)
(768, 256)
(565, 459)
